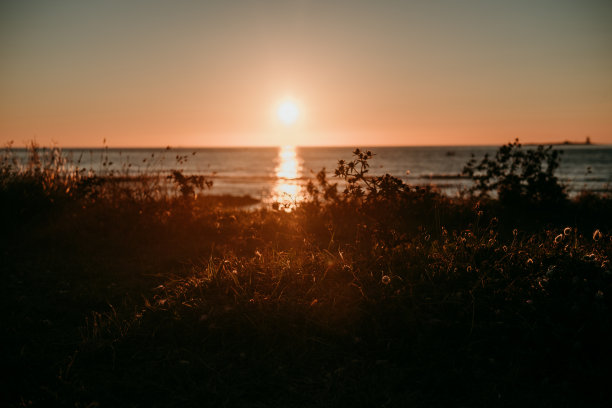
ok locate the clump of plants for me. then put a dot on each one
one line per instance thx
(518, 175)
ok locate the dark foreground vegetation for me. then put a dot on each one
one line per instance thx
(383, 294)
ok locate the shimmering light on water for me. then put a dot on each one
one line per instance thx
(288, 167)
(287, 188)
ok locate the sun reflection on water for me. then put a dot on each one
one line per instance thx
(287, 189)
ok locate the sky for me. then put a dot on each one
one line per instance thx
(211, 73)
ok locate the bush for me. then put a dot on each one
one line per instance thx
(518, 176)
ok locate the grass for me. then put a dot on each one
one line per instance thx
(115, 296)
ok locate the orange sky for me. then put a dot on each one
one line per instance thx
(184, 73)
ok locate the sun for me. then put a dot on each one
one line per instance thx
(288, 112)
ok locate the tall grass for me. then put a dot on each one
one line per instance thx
(369, 293)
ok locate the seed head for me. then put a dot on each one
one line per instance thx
(386, 279)
(567, 231)
(558, 238)
(597, 235)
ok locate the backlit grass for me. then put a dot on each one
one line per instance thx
(398, 296)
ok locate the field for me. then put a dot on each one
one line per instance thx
(375, 293)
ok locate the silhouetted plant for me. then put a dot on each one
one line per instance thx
(189, 185)
(518, 175)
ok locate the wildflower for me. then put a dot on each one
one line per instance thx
(386, 279)
(567, 231)
(597, 235)
(558, 238)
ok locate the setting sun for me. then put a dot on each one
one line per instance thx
(288, 112)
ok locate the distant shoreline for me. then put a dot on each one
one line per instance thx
(587, 142)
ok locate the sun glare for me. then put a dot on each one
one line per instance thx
(288, 172)
(288, 112)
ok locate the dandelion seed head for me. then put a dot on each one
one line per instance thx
(597, 235)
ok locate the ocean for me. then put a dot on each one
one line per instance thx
(281, 173)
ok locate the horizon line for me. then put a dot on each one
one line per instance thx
(170, 147)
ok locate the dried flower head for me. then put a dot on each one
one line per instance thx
(558, 238)
(567, 231)
(386, 279)
(597, 235)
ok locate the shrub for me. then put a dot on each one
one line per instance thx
(517, 175)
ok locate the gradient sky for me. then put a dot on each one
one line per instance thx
(209, 73)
